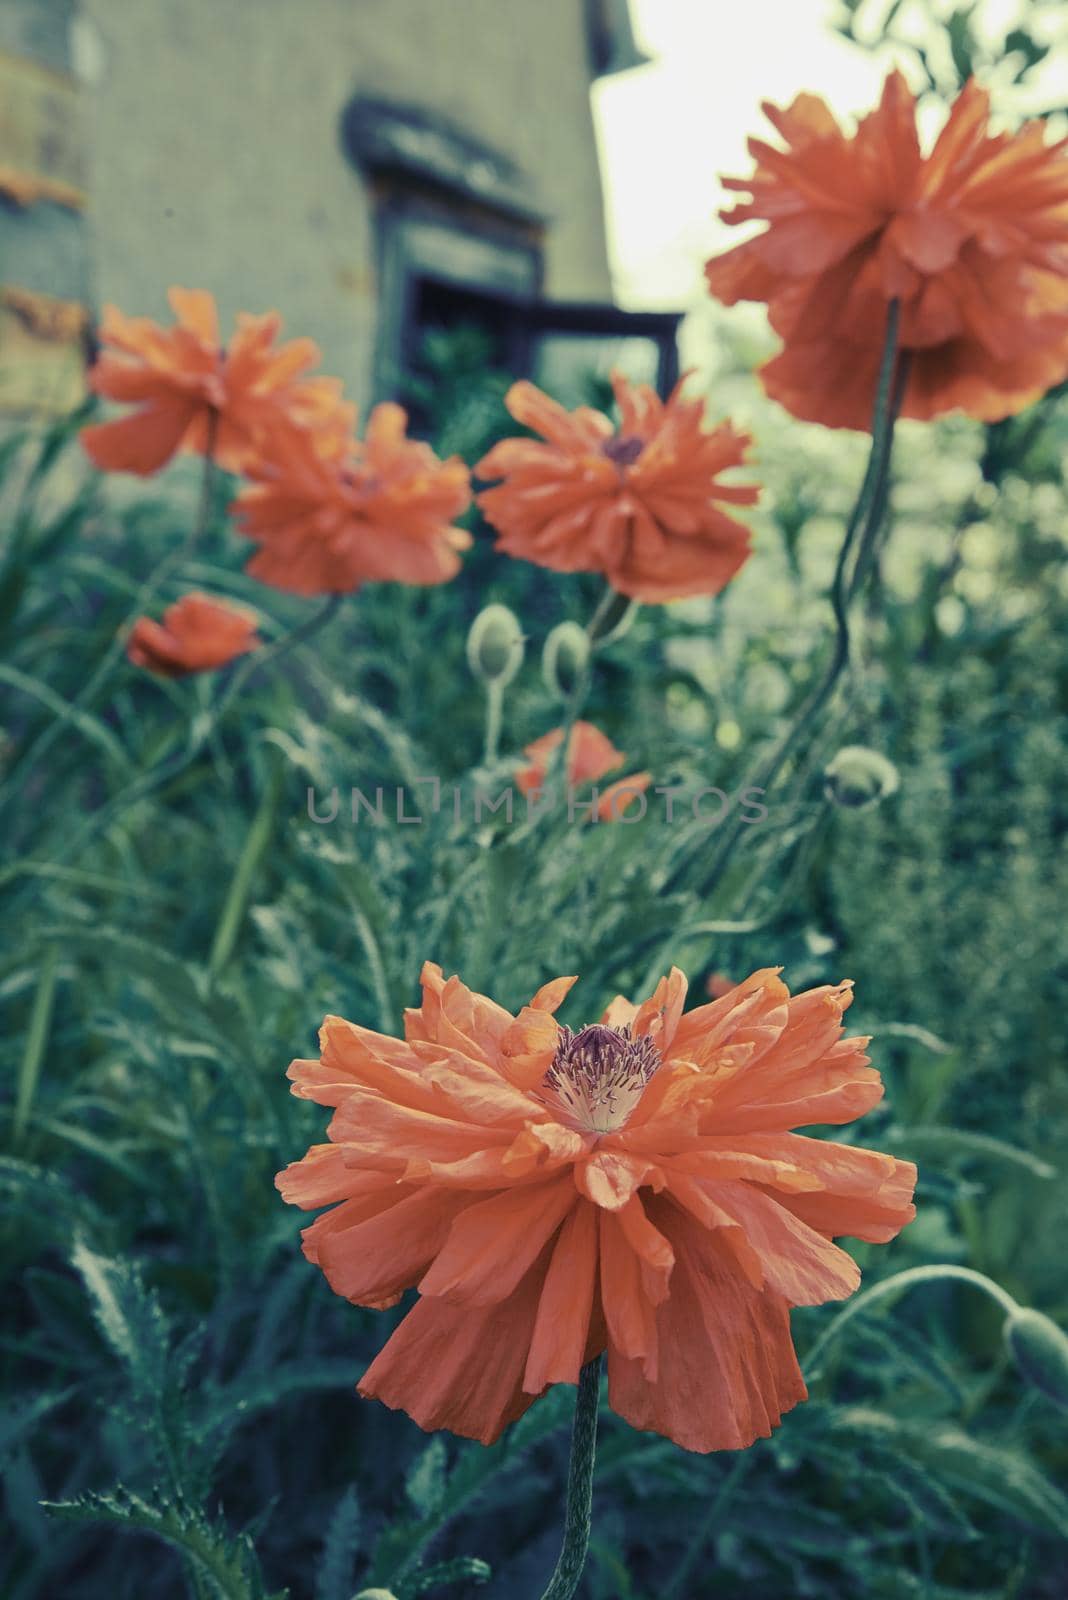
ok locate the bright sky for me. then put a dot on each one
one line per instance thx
(668, 129)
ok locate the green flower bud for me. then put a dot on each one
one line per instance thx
(375, 1594)
(565, 658)
(1040, 1350)
(495, 645)
(858, 778)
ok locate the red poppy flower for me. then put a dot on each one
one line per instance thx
(632, 1187)
(197, 634)
(380, 513)
(590, 755)
(971, 239)
(641, 505)
(188, 388)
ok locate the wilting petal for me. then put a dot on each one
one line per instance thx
(726, 1366)
(558, 1345)
(460, 1367)
(493, 1243)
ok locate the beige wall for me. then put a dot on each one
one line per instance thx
(215, 159)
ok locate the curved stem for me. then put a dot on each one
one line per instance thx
(893, 1285)
(273, 653)
(860, 535)
(579, 1506)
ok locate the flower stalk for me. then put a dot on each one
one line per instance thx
(578, 1511)
(861, 533)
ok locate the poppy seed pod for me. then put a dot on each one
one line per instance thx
(1040, 1350)
(565, 658)
(858, 778)
(495, 645)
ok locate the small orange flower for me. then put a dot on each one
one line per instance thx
(197, 634)
(380, 513)
(590, 754)
(971, 239)
(638, 505)
(181, 379)
(631, 1187)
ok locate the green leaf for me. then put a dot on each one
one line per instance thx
(341, 1544)
(36, 1040)
(962, 41)
(1001, 1478)
(20, 1416)
(256, 841)
(90, 727)
(425, 1482)
(133, 1324)
(228, 1564)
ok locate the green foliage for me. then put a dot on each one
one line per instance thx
(1020, 52)
(176, 942)
(227, 1564)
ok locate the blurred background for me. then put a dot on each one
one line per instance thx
(448, 194)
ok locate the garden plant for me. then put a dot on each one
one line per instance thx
(640, 836)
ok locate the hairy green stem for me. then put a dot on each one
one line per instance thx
(904, 1280)
(579, 1505)
(860, 535)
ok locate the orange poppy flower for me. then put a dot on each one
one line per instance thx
(197, 634)
(631, 1187)
(181, 378)
(380, 513)
(971, 239)
(590, 754)
(639, 505)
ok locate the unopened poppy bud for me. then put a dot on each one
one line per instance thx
(495, 645)
(375, 1594)
(859, 777)
(1040, 1350)
(565, 659)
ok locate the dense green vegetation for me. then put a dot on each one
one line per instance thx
(172, 945)
(176, 925)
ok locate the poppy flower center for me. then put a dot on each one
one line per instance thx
(623, 448)
(598, 1074)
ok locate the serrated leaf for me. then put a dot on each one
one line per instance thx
(128, 1315)
(425, 1482)
(229, 1564)
(341, 1544)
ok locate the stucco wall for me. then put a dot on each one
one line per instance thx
(215, 160)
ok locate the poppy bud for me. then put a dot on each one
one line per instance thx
(375, 1594)
(1040, 1350)
(858, 778)
(495, 645)
(565, 658)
